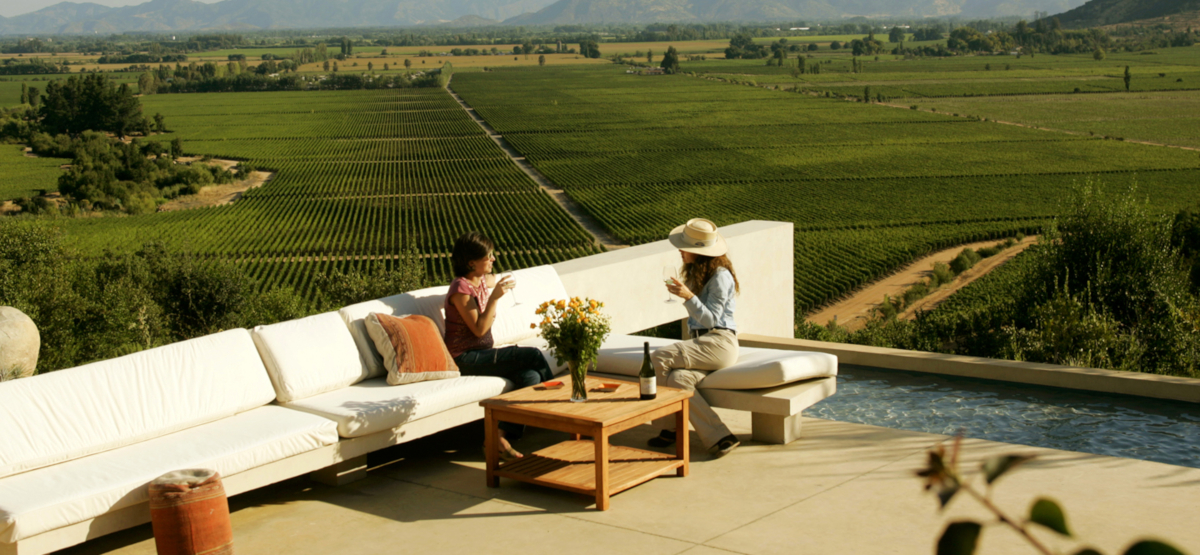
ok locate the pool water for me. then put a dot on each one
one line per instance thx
(1103, 424)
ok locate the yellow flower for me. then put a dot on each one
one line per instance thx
(584, 320)
(546, 321)
(593, 304)
(561, 305)
(533, 326)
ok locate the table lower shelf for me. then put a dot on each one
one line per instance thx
(571, 466)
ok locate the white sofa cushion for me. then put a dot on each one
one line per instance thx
(84, 488)
(426, 302)
(755, 368)
(309, 356)
(64, 415)
(374, 406)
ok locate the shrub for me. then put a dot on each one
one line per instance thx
(941, 275)
(964, 261)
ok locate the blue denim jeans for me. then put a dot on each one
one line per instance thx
(523, 366)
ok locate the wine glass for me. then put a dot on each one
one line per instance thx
(510, 285)
(669, 275)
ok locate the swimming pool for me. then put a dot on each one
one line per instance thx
(1103, 424)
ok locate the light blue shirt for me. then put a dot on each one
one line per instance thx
(713, 306)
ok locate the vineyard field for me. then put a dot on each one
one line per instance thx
(868, 187)
(971, 76)
(359, 179)
(1161, 117)
(22, 176)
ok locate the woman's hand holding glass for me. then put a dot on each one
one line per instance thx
(510, 282)
(680, 290)
(503, 285)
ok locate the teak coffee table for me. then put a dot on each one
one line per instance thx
(590, 467)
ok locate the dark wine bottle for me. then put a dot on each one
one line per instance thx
(646, 375)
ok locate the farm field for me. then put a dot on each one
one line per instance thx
(22, 176)
(10, 86)
(340, 198)
(868, 187)
(892, 76)
(1161, 117)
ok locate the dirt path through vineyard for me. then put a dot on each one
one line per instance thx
(854, 311)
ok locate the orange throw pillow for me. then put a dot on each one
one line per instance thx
(412, 348)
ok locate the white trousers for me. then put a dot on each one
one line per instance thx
(684, 364)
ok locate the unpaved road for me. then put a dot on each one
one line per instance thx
(216, 195)
(854, 311)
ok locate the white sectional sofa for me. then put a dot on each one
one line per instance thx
(78, 447)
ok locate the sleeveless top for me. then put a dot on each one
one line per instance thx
(459, 338)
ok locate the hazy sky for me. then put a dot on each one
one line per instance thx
(9, 8)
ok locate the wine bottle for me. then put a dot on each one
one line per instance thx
(646, 375)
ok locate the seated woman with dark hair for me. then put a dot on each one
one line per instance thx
(470, 311)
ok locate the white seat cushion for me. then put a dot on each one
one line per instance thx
(374, 406)
(755, 368)
(427, 302)
(309, 356)
(64, 415)
(50, 498)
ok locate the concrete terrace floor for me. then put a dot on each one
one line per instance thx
(841, 488)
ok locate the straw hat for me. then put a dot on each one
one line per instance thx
(699, 236)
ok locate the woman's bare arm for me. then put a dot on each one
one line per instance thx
(479, 323)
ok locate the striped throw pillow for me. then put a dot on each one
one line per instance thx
(411, 347)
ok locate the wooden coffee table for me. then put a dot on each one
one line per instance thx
(590, 467)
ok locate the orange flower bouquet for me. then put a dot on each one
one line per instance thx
(574, 330)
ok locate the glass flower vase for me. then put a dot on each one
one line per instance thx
(578, 381)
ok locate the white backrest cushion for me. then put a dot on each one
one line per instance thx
(309, 356)
(427, 302)
(64, 415)
(534, 286)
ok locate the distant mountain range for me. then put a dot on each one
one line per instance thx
(233, 15)
(1109, 12)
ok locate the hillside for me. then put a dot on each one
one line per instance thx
(641, 11)
(1109, 12)
(190, 15)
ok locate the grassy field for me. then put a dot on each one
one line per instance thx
(1161, 117)
(361, 175)
(959, 76)
(22, 176)
(868, 187)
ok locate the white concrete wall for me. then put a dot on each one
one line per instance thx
(629, 281)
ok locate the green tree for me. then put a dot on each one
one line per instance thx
(670, 61)
(649, 56)
(146, 83)
(35, 96)
(407, 64)
(1128, 77)
(326, 65)
(370, 66)
(160, 123)
(24, 93)
(176, 147)
(1098, 54)
(541, 60)
(896, 34)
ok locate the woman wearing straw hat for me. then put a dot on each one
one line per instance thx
(708, 291)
